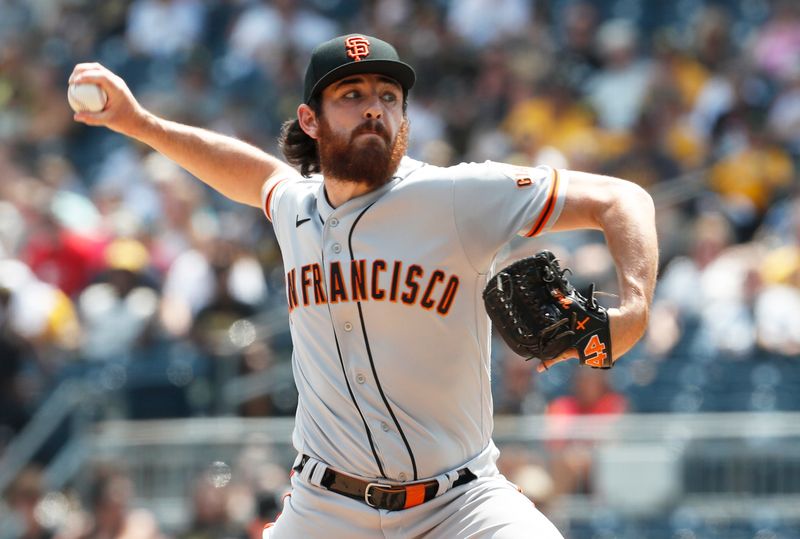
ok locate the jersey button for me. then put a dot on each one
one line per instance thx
(334, 222)
(385, 427)
(360, 378)
(337, 248)
(348, 326)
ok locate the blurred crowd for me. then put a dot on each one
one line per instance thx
(118, 268)
(218, 508)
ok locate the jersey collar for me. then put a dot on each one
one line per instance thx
(358, 203)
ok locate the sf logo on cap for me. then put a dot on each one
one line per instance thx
(357, 47)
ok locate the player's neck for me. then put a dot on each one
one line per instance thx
(340, 191)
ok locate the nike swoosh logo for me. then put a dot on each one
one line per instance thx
(299, 221)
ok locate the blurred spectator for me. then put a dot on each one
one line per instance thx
(618, 91)
(707, 290)
(645, 161)
(485, 22)
(777, 305)
(784, 114)
(223, 329)
(777, 46)
(591, 394)
(579, 59)
(268, 509)
(710, 36)
(266, 30)
(120, 307)
(111, 516)
(64, 258)
(40, 313)
(24, 496)
(571, 462)
(537, 484)
(209, 514)
(526, 468)
(751, 177)
(552, 119)
(164, 28)
(15, 353)
(514, 389)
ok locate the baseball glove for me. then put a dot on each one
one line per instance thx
(540, 314)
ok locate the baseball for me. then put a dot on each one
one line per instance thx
(86, 97)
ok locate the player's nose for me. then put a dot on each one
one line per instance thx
(373, 111)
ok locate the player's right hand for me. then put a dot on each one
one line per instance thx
(122, 112)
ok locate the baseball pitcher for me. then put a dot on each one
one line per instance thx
(389, 266)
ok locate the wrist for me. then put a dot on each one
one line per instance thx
(143, 126)
(628, 324)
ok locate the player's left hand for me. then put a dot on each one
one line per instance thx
(545, 364)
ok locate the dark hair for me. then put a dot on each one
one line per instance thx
(299, 149)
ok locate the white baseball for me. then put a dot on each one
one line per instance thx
(86, 97)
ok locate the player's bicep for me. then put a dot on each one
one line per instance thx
(586, 198)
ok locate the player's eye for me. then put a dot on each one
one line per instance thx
(352, 94)
(389, 97)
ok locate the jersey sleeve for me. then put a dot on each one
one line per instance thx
(271, 193)
(494, 201)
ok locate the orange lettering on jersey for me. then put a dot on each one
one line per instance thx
(358, 274)
(410, 296)
(305, 279)
(448, 296)
(362, 285)
(357, 47)
(338, 290)
(319, 292)
(426, 301)
(398, 266)
(377, 267)
(291, 289)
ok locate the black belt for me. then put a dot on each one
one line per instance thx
(383, 496)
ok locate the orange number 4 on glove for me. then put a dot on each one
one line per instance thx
(595, 352)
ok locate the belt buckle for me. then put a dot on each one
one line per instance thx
(368, 495)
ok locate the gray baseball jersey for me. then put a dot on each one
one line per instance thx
(391, 340)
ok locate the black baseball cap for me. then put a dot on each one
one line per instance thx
(350, 55)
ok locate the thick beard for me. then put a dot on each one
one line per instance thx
(371, 162)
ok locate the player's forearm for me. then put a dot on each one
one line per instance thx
(628, 223)
(232, 167)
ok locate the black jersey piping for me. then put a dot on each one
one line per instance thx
(369, 353)
(349, 389)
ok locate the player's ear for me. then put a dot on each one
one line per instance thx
(308, 120)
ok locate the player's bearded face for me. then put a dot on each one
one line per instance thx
(371, 160)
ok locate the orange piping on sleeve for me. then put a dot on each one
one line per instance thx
(547, 211)
(269, 199)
